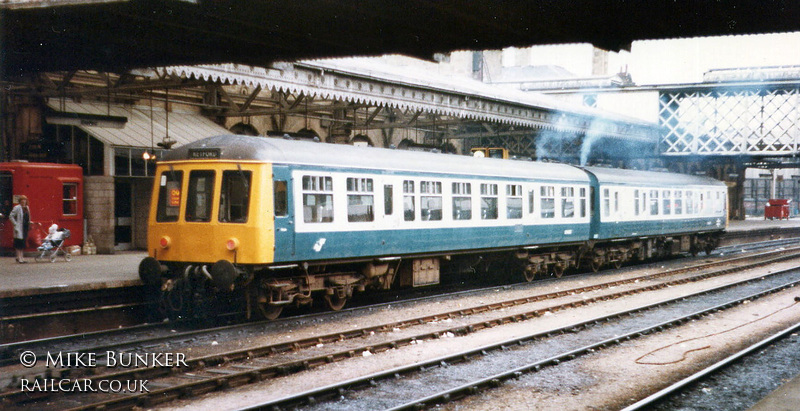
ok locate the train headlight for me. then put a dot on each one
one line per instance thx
(232, 244)
(165, 242)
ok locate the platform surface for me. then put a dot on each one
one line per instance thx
(86, 272)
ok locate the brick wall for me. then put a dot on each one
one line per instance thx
(99, 211)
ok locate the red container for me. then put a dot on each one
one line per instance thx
(777, 208)
(55, 196)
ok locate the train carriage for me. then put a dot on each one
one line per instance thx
(279, 219)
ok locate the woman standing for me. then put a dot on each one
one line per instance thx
(21, 217)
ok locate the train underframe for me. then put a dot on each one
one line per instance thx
(188, 290)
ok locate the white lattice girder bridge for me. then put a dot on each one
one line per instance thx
(730, 121)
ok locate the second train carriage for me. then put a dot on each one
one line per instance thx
(281, 219)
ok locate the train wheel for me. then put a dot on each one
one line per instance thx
(335, 302)
(558, 270)
(270, 311)
(595, 265)
(529, 275)
(617, 264)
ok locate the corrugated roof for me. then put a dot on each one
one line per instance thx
(140, 131)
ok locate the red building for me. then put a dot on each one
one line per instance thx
(55, 195)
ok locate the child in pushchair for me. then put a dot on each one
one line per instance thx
(54, 243)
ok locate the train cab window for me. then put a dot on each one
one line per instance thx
(200, 196)
(408, 201)
(606, 202)
(70, 198)
(388, 200)
(360, 200)
(679, 202)
(488, 201)
(513, 201)
(317, 199)
(462, 201)
(430, 205)
(280, 198)
(547, 197)
(234, 197)
(666, 198)
(169, 196)
(582, 202)
(653, 202)
(567, 202)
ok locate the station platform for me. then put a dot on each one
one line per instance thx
(87, 272)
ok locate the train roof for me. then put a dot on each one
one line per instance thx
(283, 151)
(649, 178)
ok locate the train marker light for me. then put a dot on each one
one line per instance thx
(232, 244)
(165, 242)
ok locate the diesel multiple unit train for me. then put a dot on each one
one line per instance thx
(278, 222)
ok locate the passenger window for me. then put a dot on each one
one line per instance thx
(679, 202)
(513, 202)
(431, 204)
(653, 202)
(234, 197)
(70, 198)
(548, 200)
(200, 196)
(317, 199)
(690, 203)
(488, 201)
(280, 198)
(667, 202)
(606, 202)
(169, 196)
(462, 201)
(408, 201)
(388, 200)
(360, 200)
(567, 202)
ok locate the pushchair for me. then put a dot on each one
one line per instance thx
(53, 244)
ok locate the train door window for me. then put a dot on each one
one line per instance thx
(280, 197)
(636, 202)
(513, 201)
(408, 201)
(489, 201)
(234, 197)
(547, 196)
(582, 202)
(462, 201)
(666, 201)
(388, 200)
(70, 198)
(200, 196)
(568, 202)
(606, 202)
(360, 200)
(703, 203)
(653, 202)
(616, 202)
(690, 202)
(169, 196)
(317, 199)
(531, 201)
(678, 202)
(644, 202)
(430, 205)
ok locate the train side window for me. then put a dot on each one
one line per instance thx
(488, 201)
(388, 200)
(582, 202)
(567, 202)
(678, 202)
(636, 202)
(409, 211)
(280, 190)
(70, 198)
(200, 196)
(690, 203)
(234, 197)
(666, 198)
(513, 201)
(644, 201)
(169, 196)
(606, 202)
(462, 201)
(547, 196)
(616, 202)
(431, 204)
(317, 199)
(531, 201)
(360, 200)
(653, 202)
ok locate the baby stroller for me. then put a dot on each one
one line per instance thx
(53, 244)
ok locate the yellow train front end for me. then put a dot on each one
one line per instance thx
(209, 219)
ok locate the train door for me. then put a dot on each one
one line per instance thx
(284, 213)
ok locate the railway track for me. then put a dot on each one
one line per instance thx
(232, 368)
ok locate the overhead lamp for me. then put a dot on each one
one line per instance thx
(84, 119)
